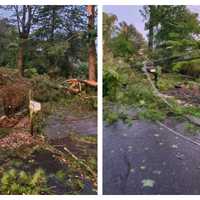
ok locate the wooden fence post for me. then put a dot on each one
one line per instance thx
(30, 112)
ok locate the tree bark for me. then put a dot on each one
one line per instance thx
(20, 57)
(24, 19)
(92, 63)
(150, 43)
(151, 30)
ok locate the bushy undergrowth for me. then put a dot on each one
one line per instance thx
(125, 86)
(111, 117)
(195, 111)
(191, 68)
(152, 114)
(81, 70)
(137, 92)
(30, 72)
(114, 76)
(74, 183)
(46, 89)
(192, 129)
(21, 182)
(170, 80)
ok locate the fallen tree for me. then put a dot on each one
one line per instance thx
(75, 85)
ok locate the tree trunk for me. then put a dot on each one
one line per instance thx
(152, 23)
(24, 16)
(151, 29)
(20, 57)
(92, 47)
(92, 62)
(52, 23)
(150, 43)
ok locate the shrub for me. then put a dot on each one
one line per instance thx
(111, 117)
(140, 94)
(20, 182)
(191, 68)
(110, 82)
(30, 72)
(114, 76)
(81, 71)
(152, 114)
(45, 89)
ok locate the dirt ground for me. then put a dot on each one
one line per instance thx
(186, 93)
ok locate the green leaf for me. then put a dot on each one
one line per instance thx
(148, 183)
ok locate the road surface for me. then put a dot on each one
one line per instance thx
(145, 158)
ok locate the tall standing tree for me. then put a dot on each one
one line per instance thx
(61, 31)
(49, 20)
(8, 43)
(172, 30)
(92, 63)
(109, 28)
(151, 14)
(24, 16)
(127, 42)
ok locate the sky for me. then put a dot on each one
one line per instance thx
(131, 15)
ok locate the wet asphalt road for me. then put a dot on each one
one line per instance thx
(147, 159)
(61, 126)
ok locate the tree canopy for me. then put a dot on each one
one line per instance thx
(45, 39)
(173, 30)
(122, 39)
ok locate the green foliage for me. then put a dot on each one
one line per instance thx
(75, 183)
(152, 114)
(192, 110)
(56, 44)
(60, 175)
(170, 34)
(92, 161)
(70, 180)
(116, 75)
(59, 57)
(89, 102)
(20, 182)
(192, 129)
(191, 68)
(52, 19)
(123, 40)
(45, 89)
(110, 82)
(8, 44)
(169, 81)
(109, 28)
(140, 94)
(125, 118)
(81, 70)
(4, 132)
(30, 72)
(122, 47)
(111, 117)
(61, 36)
(173, 31)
